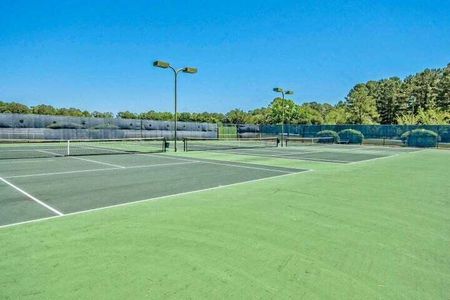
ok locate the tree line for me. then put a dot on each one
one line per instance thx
(423, 98)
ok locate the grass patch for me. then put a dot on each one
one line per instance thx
(377, 230)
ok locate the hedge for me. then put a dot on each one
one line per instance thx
(422, 138)
(329, 134)
(351, 135)
(404, 137)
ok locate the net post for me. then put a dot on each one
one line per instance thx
(68, 148)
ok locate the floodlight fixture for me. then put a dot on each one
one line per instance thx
(190, 70)
(161, 64)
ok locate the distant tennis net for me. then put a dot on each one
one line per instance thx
(205, 144)
(300, 141)
(10, 149)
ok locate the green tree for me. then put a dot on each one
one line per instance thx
(236, 116)
(159, 116)
(280, 108)
(305, 114)
(185, 117)
(127, 115)
(106, 115)
(424, 89)
(74, 112)
(43, 109)
(390, 100)
(259, 116)
(361, 106)
(425, 117)
(443, 90)
(14, 108)
(336, 116)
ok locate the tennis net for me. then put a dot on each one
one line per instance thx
(205, 144)
(298, 141)
(10, 149)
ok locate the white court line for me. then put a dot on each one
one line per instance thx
(254, 154)
(388, 156)
(29, 150)
(273, 149)
(318, 160)
(334, 161)
(154, 199)
(376, 158)
(49, 152)
(225, 164)
(98, 162)
(23, 161)
(85, 159)
(32, 197)
(301, 153)
(98, 170)
(279, 154)
(261, 151)
(297, 157)
(248, 167)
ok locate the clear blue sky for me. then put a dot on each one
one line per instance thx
(97, 55)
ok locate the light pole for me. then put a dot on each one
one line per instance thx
(280, 90)
(189, 70)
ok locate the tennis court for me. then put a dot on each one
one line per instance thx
(56, 186)
(261, 220)
(301, 149)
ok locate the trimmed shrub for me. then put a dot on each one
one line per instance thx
(404, 136)
(65, 126)
(351, 135)
(422, 138)
(328, 134)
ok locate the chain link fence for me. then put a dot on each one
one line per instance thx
(45, 127)
(27, 126)
(369, 131)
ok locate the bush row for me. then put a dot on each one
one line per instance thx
(350, 136)
(413, 138)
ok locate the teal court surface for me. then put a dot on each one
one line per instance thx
(331, 153)
(46, 187)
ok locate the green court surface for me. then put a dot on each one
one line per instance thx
(67, 185)
(328, 223)
(332, 153)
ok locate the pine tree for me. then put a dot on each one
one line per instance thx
(361, 106)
